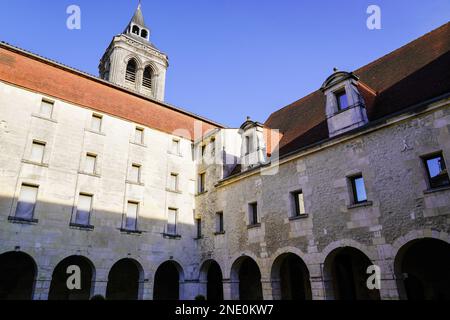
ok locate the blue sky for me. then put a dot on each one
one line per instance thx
(228, 58)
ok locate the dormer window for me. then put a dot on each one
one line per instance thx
(342, 100)
(345, 108)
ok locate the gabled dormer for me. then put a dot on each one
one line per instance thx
(253, 149)
(345, 106)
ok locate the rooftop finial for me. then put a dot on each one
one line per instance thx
(248, 118)
(335, 69)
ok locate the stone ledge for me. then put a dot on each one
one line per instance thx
(131, 232)
(254, 226)
(95, 132)
(39, 164)
(174, 191)
(430, 191)
(95, 175)
(23, 220)
(82, 227)
(219, 233)
(171, 236)
(360, 205)
(299, 217)
(36, 115)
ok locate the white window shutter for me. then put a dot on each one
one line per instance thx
(131, 218)
(83, 210)
(27, 202)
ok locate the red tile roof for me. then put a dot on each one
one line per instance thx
(38, 74)
(407, 76)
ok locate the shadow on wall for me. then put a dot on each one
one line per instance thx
(76, 243)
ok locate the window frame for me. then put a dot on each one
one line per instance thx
(176, 177)
(99, 117)
(41, 144)
(49, 102)
(176, 212)
(94, 169)
(125, 217)
(253, 214)
(142, 138)
(74, 221)
(339, 93)
(139, 173)
(296, 208)
(201, 183)
(14, 217)
(425, 160)
(220, 225)
(353, 178)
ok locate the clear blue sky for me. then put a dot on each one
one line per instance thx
(228, 58)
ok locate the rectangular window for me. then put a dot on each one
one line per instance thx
(219, 222)
(172, 221)
(139, 136)
(84, 208)
(91, 163)
(27, 202)
(173, 183)
(248, 145)
(175, 146)
(37, 152)
(198, 223)
(201, 182)
(213, 147)
(299, 203)
(253, 213)
(96, 123)
(342, 101)
(135, 173)
(436, 171)
(203, 150)
(359, 189)
(132, 215)
(46, 108)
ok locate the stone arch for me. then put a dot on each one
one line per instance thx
(290, 278)
(132, 67)
(125, 280)
(211, 277)
(345, 274)
(245, 279)
(421, 264)
(148, 77)
(18, 273)
(167, 281)
(58, 286)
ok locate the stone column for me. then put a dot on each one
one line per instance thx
(41, 288)
(188, 289)
(230, 289)
(317, 288)
(147, 293)
(267, 289)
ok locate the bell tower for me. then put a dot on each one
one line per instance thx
(133, 62)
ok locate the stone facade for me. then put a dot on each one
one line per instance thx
(233, 197)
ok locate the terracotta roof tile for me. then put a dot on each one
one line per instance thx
(407, 76)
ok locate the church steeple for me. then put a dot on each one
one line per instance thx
(137, 27)
(133, 62)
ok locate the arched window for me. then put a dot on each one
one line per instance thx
(144, 33)
(130, 74)
(148, 77)
(135, 30)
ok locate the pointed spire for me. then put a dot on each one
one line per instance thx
(138, 17)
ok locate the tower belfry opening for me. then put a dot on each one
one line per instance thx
(133, 62)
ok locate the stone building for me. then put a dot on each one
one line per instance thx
(150, 201)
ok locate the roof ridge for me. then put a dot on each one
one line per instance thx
(68, 68)
(380, 59)
(376, 61)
